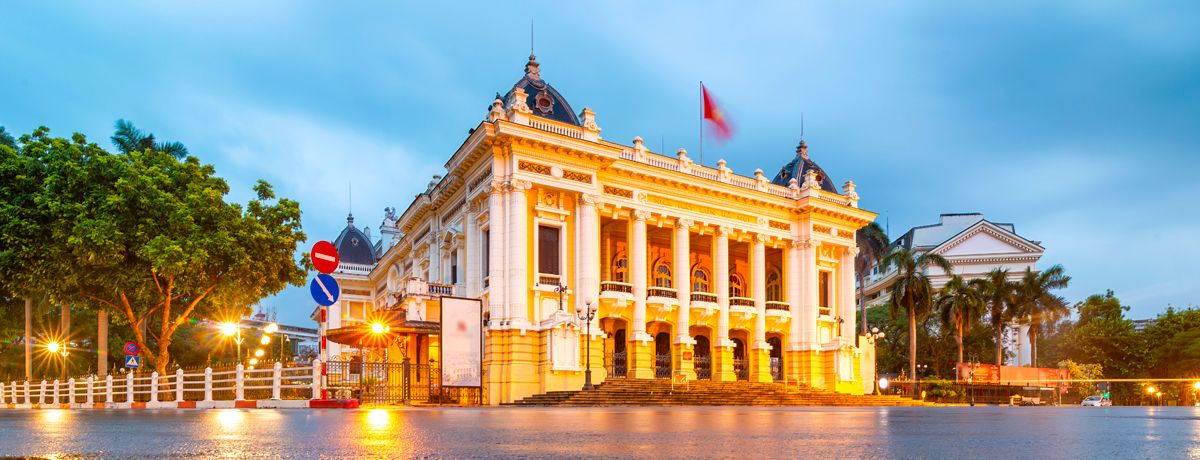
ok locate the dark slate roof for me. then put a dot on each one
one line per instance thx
(798, 167)
(353, 246)
(542, 98)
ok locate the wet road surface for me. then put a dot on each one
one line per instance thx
(903, 432)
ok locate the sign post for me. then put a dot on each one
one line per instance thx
(324, 290)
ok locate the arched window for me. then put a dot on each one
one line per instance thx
(699, 280)
(662, 274)
(620, 268)
(737, 286)
(774, 286)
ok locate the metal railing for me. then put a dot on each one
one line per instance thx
(824, 311)
(548, 279)
(615, 364)
(703, 365)
(741, 369)
(662, 365)
(230, 384)
(441, 289)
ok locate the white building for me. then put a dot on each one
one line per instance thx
(975, 246)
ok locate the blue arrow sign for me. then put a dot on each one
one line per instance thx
(324, 289)
(133, 362)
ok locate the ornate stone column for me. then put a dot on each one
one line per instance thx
(471, 276)
(793, 276)
(811, 296)
(638, 271)
(846, 303)
(518, 244)
(760, 353)
(496, 254)
(723, 352)
(588, 248)
(682, 247)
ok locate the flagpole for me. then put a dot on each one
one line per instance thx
(702, 123)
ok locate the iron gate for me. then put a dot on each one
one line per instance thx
(740, 369)
(614, 364)
(662, 366)
(382, 383)
(704, 367)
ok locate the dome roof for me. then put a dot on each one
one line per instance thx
(353, 245)
(800, 166)
(542, 98)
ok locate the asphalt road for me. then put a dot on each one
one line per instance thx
(708, 432)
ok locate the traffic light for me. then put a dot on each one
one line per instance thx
(1107, 395)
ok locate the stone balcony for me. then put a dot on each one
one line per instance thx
(661, 304)
(778, 315)
(703, 305)
(616, 299)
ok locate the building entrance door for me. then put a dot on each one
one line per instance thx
(703, 363)
(662, 355)
(740, 369)
(615, 360)
(776, 358)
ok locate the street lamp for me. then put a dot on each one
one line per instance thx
(587, 314)
(231, 329)
(59, 349)
(1151, 391)
(271, 328)
(873, 337)
(258, 353)
(560, 289)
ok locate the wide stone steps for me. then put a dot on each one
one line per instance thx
(639, 392)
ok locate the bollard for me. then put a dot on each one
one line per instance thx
(316, 379)
(179, 385)
(108, 389)
(240, 391)
(71, 390)
(207, 384)
(277, 381)
(154, 387)
(129, 387)
(91, 395)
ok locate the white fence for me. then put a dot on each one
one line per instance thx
(153, 390)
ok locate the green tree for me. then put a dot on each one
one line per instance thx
(872, 243)
(1079, 371)
(960, 305)
(128, 138)
(150, 237)
(1175, 335)
(912, 290)
(1036, 302)
(6, 139)
(997, 292)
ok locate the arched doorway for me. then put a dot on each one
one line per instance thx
(662, 355)
(703, 362)
(776, 357)
(615, 354)
(740, 369)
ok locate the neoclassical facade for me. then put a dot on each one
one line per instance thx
(696, 272)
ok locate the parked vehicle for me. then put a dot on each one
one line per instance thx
(1097, 401)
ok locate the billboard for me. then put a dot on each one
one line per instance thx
(462, 338)
(978, 373)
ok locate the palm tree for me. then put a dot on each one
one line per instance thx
(913, 292)
(872, 243)
(1042, 308)
(127, 138)
(960, 304)
(997, 292)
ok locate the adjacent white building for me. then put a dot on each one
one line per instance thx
(975, 246)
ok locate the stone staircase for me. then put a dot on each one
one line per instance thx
(645, 392)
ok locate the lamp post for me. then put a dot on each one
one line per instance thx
(60, 350)
(587, 314)
(873, 337)
(1151, 391)
(231, 329)
(560, 289)
(971, 380)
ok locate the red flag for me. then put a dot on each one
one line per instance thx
(715, 115)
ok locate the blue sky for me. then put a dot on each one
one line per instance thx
(1077, 121)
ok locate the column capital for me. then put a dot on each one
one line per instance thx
(723, 230)
(589, 199)
(759, 238)
(684, 222)
(852, 251)
(498, 187)
(518, 185)
(640, 215)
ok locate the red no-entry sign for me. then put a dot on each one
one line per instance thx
(324, 257)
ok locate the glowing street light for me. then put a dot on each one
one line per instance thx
(266, 340)
(1196, 386)
(258, 353)
(271, 328)
(253, 361)
(1151, 390)
(229, 329)
(53, 347)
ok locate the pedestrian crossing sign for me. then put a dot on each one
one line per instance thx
(133, 362)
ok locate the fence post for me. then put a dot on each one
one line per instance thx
(56, 385)
(91, 395)
(27, 401)
(129, 387)
(179, 385)
(277, 381)
(316, 379)
(207, 384)
(239, 385)
(71, 390)
(108, 389)
(154, 386)
(42, 393)
(3, 396)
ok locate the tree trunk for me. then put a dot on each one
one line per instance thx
(1000, 344)
(28, 338)
(959, 338)
(102, 342)
(65, 335)
(912, 351)
(1032, 347)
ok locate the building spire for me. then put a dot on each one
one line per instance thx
(350, 204)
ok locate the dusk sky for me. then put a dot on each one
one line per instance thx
(1076, 121)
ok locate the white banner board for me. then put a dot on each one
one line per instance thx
(462, 356)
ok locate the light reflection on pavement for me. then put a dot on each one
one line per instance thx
(897, 432)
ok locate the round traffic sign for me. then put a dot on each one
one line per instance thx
(132, 348)
(324, 257)
(324, 289)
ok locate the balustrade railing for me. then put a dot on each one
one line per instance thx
(616, 286)
(741, 301)
(704, 297)
(239, 383)
(776, 305)
(440, 289)
(548, 279)
(661, 292)
(824, 311)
